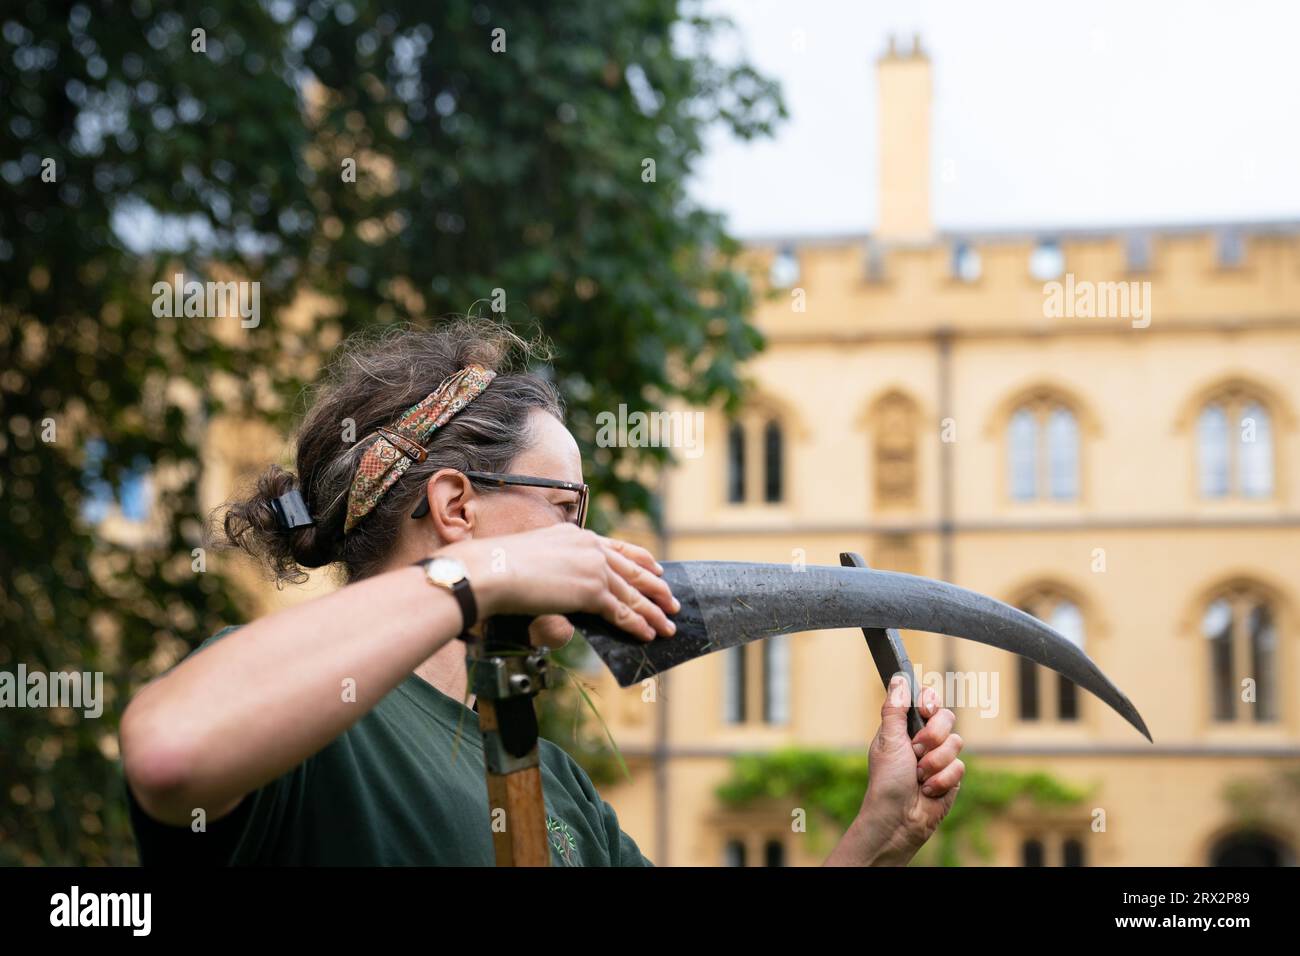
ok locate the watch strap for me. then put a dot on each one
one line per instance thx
(464, 595)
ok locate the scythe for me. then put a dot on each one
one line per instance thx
(728, 604)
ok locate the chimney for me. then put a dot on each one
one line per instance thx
(904, 80)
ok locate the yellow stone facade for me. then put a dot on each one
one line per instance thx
(895, 365)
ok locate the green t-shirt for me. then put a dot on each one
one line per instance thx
(387, 792)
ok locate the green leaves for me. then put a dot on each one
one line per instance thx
(477, 170)
(830, 786)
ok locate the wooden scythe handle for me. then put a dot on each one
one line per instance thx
(523, 840)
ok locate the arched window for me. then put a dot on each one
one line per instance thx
(1044, 694)
(1072, 852)
(733, 853)
(1022, 446)
(1234, 446)
(785, 268)
(1255, 461)
(1031, 853)
(1043, 451)
(966, 266)
(1047, 261)
(734, 710)
(1240, 631)
(1034, 850)
(773, 462)
(756, 457)
(736, 463)
(1212, 446)
(776, 679)
(1062, 454)
(767, 664)
(1250, 848)
(894, 419)
(774, 853)
(1068, 621)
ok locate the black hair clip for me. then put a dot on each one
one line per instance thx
(291, 511)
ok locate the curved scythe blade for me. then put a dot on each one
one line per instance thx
(729, 603)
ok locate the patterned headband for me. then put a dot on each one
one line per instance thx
(395, 449)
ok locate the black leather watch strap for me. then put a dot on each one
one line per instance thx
(464, 595)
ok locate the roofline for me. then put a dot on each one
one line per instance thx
(1031, 233)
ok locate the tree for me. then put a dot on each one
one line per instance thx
(541, 150)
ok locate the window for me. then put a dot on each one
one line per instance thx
(966, 265)
(895, 421)
(1215, 456)
(1137, 252)
(875, 263)
(1062, 454)
(776, 679)
(1234, 446)
(735, 852)
(736, 463)
(772, 462)
(1230, 250)
(1072, 852)
(1251, 848)
(1034, 851)
(1031, 853)
(1043, 451)
(762, 436)
(767, 664)
(1022, 442)
(1242, 656)
(1047, 261)
(733, 685)
(785, 268)
(1043, 692)
(1255, 453)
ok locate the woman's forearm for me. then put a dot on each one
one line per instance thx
(255, 704)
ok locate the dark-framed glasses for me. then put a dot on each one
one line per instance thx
(501, 480)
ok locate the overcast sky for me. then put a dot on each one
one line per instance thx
(1110, 112)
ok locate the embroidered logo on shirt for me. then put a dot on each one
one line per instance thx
(563, 841)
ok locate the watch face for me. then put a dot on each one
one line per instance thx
(445, 571)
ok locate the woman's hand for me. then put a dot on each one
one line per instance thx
(561, 569)
(913, 784)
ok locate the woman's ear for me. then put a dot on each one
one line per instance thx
(453, 505)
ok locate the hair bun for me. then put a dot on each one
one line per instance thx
(253, 526)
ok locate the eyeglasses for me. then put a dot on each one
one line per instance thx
(501, 480)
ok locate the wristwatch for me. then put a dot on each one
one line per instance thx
(450, 575)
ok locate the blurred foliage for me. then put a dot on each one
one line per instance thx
(830, 786)
(574, 715)
(1271, 803)
(519, 169)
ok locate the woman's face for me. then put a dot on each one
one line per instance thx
(552, 453)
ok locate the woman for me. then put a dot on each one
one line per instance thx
(334, 732)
